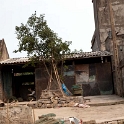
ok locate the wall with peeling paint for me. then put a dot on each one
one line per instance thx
(69, 76)
(102, 20)
(82, 73)
(95, 77)
(103, 35)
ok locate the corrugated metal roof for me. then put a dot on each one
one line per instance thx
(70, 56)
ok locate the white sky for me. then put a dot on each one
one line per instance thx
(73, 20)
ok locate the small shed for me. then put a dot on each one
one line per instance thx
(90, 69)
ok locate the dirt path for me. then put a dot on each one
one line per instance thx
(100, 113)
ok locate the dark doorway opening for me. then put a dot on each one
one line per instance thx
(21, 83)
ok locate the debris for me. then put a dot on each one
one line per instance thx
(11, 99)
(74, 120)
(81, 99)
(76, 105)
(52, 99)
(83, 106)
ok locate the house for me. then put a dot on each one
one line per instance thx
(109, 18)
(91, 69)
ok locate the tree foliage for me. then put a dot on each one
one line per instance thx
(39, 41)
(42, 45)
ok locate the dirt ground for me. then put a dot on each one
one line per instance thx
(98, 113)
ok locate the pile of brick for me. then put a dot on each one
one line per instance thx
(52, 98)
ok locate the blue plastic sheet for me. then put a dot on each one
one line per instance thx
(65, 89)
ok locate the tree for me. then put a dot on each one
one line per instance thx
(41, 43)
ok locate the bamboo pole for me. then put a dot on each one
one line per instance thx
(7, 113)
(33, 116)
(47, 69)
(57, 77)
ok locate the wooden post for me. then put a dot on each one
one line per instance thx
(33, 116)
(7, 112)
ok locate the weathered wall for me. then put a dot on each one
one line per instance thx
(96, 78)
(108, 45)
(7, 84)
(1, 87)
(3, 56)
(123, 77)
(69, 76)
(97, 38)
(82, 73)
(103, 30)
(91, 73)
(102, 19)
(3, 51)
(95, 46)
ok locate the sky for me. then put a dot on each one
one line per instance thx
(72, 20)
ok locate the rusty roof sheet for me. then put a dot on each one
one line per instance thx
(69, 56)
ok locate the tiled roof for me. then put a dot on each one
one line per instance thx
(70, 56)
(88, 54)
(15, 60)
